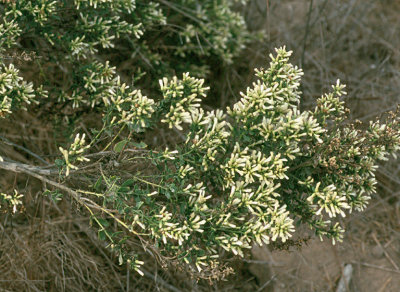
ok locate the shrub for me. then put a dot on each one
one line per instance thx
(244, 176)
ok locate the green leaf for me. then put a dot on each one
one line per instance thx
(173, 188)
(168, 194)
(140, 145)
(128, 183)
(120, 145)
(123, 190)
(55, 196)
(94, 131)
(182, 208)
(59, 162)
(104, 222)
(102, 234)
(98, 183)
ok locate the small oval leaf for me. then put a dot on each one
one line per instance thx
(120, 145)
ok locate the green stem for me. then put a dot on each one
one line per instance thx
(116, 136)
(149, 183)
(90, 193)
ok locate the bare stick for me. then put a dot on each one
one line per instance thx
(385, 252)
(159, 281)
(377, 267)
(8, 142)
(266, 283)
(21, 167)
(383, 288)
(36, 172)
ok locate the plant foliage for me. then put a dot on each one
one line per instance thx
(247, 175)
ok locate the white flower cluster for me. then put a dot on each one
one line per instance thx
(167, 228)
(210, 136)
(9, 31)
(102, 31)
(268, 218)
(106, 29)
(74, 153)
(182, 97)
(169, 155)
(13, 200)
(329, 200)
(120, 5)
(377, 130)
(40, 12)
(223, 29)
(330, 104)
(99, 86)
(253, 167)
(133, 108)
(14, 92)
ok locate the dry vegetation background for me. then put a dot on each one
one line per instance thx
(49, 247)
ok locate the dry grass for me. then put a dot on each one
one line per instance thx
(50, 247)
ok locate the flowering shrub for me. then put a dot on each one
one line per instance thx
(247, 175)
(159, 38)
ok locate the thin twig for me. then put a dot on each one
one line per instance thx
(174, 7)
(307, 30)
(377, 267)
(159, 281)
(92, 238)
(384, 251)
(28, 169)
(20, 168)
(383, 288)
(266, 283)
(8, 142)
(123, 148)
